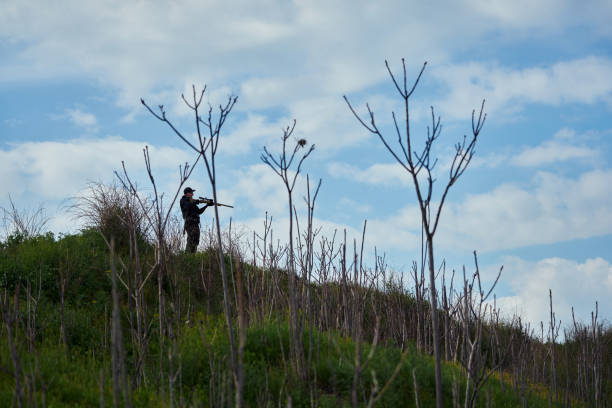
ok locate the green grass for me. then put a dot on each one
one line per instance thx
(73, 376)
(74, 379)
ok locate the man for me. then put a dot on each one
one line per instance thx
(191, 215)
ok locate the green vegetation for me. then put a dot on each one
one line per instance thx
(190, 367)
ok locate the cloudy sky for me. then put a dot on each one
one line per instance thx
(536, 199)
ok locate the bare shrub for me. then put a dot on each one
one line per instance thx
(26, 223)
(112, 211)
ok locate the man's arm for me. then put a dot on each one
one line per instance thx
(201, 210)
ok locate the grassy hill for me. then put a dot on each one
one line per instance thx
(56, 337)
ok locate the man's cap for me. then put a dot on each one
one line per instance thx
(188, 190)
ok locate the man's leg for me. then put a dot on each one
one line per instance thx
(193, 237)
(196, 237)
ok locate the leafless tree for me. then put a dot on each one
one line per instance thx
(591, 358)
(120, 382)
(208, 131)
(157, 216)
(63, 280)
(476, 315)
(9, 318)
(420, 166)
(306, 243)
(553, 333)
(282, 167)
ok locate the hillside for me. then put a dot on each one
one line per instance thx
(59, 346)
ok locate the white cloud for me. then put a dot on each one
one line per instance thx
(565, 146)
(399, 231)
(80, 118)
(387, 174)
(346, 203)
(260, 187)
(552, 152)
(77, 117)
(553, 209)
(57, 170)
(544, 15)
(251, 130)
(278, 50)
(257, 186)
(296, 57)
(265, 91)
(572, 283)
(507, 90)
(260, 191)
(327, 123)
(63, 221)
(52, 172)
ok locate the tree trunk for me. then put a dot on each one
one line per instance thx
(434, 321)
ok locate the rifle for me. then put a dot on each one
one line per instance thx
(210, 201)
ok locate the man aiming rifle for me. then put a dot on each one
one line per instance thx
(191, 215)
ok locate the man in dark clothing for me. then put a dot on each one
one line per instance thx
(191, 215)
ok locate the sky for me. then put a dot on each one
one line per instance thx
(537, 197)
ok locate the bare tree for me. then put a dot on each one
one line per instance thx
(420, 166)
(157, 217)
(282, 167)
(120, 382)
(473, 312)
(207, 145)
(553, 333)
(9, 318)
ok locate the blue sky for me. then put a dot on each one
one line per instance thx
(536, 199)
